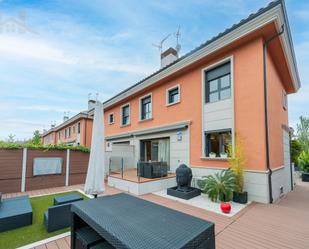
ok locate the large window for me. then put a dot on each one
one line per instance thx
(125, 115)
(146, 108)
(217, 143)
(218, 83)
(173, 95)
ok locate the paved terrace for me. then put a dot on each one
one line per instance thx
(281, 225)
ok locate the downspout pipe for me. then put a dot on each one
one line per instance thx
(265, 45)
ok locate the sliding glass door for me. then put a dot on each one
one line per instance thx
(155, 150)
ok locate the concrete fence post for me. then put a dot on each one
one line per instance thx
(24, 170)
(67, 171)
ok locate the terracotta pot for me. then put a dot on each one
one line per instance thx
(225, 207)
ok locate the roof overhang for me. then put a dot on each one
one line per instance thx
(154, 130)
(78, 116)
(276, 13)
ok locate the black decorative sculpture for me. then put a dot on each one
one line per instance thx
(183, 189)
(183, 178)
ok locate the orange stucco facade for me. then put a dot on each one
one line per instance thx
(249, 116)
(74, 136)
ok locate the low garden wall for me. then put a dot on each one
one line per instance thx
(17, 169)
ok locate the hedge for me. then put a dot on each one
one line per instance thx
(12, 146)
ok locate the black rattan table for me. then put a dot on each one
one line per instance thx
(125, 221)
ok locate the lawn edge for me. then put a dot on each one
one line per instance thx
(45, 241)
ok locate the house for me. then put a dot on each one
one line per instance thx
(192, 108)
(73, 131)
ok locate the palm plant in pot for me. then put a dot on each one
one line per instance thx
(237, 161)
(219, 187)
(303, 163)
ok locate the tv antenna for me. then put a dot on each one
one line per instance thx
(178, 35)
(160, 45)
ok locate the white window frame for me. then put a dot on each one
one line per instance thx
(140, 107)
(110, 123)
(121, 107)
(168, 93)
(204, 104)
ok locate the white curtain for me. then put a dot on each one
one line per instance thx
(95, 174)
(164, 150)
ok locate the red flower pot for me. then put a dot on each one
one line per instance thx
(225, 207)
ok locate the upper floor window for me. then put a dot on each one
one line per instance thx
(217, 143)
(284, 100)
(146, 107)
(65, 133)
(69, 131)
(111, 118)
(125, 114)
(59, 134)
(173, 95)
(78, 127)
(218, 83)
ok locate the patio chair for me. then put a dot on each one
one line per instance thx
(15, 212)
(57, 217)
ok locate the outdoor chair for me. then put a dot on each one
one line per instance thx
(57, 217)
(15, 212)
(152, 169)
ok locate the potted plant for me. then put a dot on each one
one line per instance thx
(212, 155)
(219, 187)
(237, 162)
(303, 163)
(223, 155)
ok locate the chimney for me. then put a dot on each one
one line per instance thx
(91, 104)
(168, 56)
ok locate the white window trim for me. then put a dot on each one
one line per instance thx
(140, 108)
(218, 63)
(108, 118)
(121, 124)
(167, 95)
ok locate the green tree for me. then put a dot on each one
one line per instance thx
(303, 132)
(296, 149)
(36, 139)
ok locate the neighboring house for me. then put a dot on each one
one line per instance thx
(190, 110)
(74, 131)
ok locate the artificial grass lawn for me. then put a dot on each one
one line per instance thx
(37, 231)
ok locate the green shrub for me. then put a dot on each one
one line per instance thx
(13, 145)
(237, 160)
(219, 186)
(303, 161)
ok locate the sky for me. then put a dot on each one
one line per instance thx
(70, 48)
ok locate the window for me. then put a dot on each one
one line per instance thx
(65, 133)
(59, 134)
(78, 127)
(69, 131)
(284, 100)
(111, 118)
(73, 129)
(217, 143)
(125, 115)
(146, 108)
(218, 83)
(173, 95)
